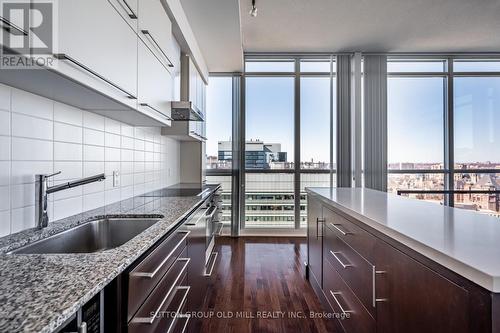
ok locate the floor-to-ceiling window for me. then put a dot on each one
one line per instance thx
(219, 139)
(416, 106)
(476, 100)
(443, 120)
(288, 112)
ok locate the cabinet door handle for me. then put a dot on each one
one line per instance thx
(9, 26)
(152, 274)
(336, 294)
(156, 110)
(128, 9)
(62, 56)
(336, 226)
(376, 300)
(148, 34)
(334, 254)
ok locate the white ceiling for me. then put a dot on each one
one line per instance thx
(224, 28)
(372, 25)
(216, 26)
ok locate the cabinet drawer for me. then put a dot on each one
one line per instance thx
(160, 311)
(360, 240)
(344, 303)
(146, 275)
(354, 269)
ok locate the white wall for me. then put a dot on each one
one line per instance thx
(38, 135)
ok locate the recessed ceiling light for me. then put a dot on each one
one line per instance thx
(253, 11)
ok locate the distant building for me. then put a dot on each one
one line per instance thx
(258, 155)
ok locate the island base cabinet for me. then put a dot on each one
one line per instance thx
(386, 287)
(412, 298)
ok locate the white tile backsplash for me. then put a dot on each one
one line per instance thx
(67, 151)
(31, 127)
(4, 123)
(31, 150)
(41, 136)
(67, 114)
(31, 104)
(67, 133)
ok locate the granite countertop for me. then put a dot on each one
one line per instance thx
(39, 292)
(465, 242)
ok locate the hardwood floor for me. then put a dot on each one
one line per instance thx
(256, 277)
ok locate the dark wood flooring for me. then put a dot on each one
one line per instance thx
(259, 276)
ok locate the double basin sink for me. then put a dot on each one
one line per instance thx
(93, 236)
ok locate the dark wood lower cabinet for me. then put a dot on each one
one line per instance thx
(375, 284)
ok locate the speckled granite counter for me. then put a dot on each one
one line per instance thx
(39, 292)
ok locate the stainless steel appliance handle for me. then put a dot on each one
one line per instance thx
(156, 110)
(152, 274)
(334, 254)
(9, 25)
(336, 294)
(154, 314)
(148, 34)
(336, 226)
(62, 56)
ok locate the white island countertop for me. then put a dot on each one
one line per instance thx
(466, 242)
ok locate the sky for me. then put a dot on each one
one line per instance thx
(415, 117)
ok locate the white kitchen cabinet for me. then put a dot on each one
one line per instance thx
(155, 86)
(155, 28)
(99, 48)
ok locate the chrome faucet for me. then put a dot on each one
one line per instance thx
(42, 190)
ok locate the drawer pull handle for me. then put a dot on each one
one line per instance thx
(339, 294)
(156, 110)
(62, 56)
(212, 214)
(148, 34)
(154, 314)
(218, 230)
(177, 313)
(336, 226)
(187, 317)
(152, 274)
(9, 26)
(190, 223)
(334, 254)
(214, 255)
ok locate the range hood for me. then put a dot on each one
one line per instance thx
(185, 111)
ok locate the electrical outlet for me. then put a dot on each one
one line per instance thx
(116, 178)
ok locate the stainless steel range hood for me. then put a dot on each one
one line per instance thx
(185, 111)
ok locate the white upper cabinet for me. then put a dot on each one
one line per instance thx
(155, 28)
(99, 48)
(155, 86)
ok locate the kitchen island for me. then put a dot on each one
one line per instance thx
(393, 264)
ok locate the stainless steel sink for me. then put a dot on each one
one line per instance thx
(93, 236)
